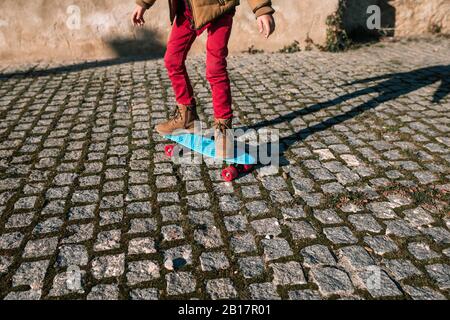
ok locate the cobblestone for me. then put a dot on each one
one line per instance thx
(142, 271)
(423, 293)
(214, 261)
(340, 235)
(317, 256)
(221, 289)
(209, 238)
(354, 258)
(377, 283)
(267, 227)
(51, 225)
(365, 222)
(381, 244)
(422, 251)
(290, 273)
(236, 223)
(61, 285)
(108, 240)
(108, 266)
(327, 217)
(10, 241)
(401, 269)
(178, 257)
(332, 281)
(304, 295)
(264, 291)
(243, 243)
(104, 292)
(180, 283)
(141, 246)
(301, 230)
(276, 248)
(72, 255)
(144, 294)
(440, 273)
(40, 248)
(360, 197)
(251, 267)
(31, 274)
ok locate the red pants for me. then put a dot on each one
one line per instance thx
(181, 39)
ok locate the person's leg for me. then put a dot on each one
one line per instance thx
(216, 65)
(178, 46)
(180, 41)
(217, 75)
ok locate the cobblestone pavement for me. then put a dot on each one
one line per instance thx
(358, 210)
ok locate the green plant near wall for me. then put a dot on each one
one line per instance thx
(337, 38)
(253, 50)
(309, 43)
(434, 28)
(292, 48)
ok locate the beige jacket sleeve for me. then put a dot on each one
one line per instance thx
(145, 3)
(261, 7)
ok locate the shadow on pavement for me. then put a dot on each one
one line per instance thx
(144, 46)
(390, 88)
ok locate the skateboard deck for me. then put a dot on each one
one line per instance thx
(243, 162)
(206, 147)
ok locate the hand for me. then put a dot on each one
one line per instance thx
(266, 25)
(138, 16)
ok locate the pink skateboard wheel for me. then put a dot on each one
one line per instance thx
(169, 150)
(229, 174)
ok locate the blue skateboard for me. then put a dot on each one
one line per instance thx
(243, 162)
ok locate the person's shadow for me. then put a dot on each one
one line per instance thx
(143, 46)
(391, 87)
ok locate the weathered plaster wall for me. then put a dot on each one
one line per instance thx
(38, 30)
(407, 17)
(415, 17)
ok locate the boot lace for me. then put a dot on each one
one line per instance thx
(175, 115)
(222, 127)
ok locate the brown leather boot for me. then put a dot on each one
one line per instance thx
(224, 138)
(182, 119)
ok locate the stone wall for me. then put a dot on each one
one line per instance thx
(355, 16)
(415, 17)
(105, 30)
(402, 17)
(48, 30)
